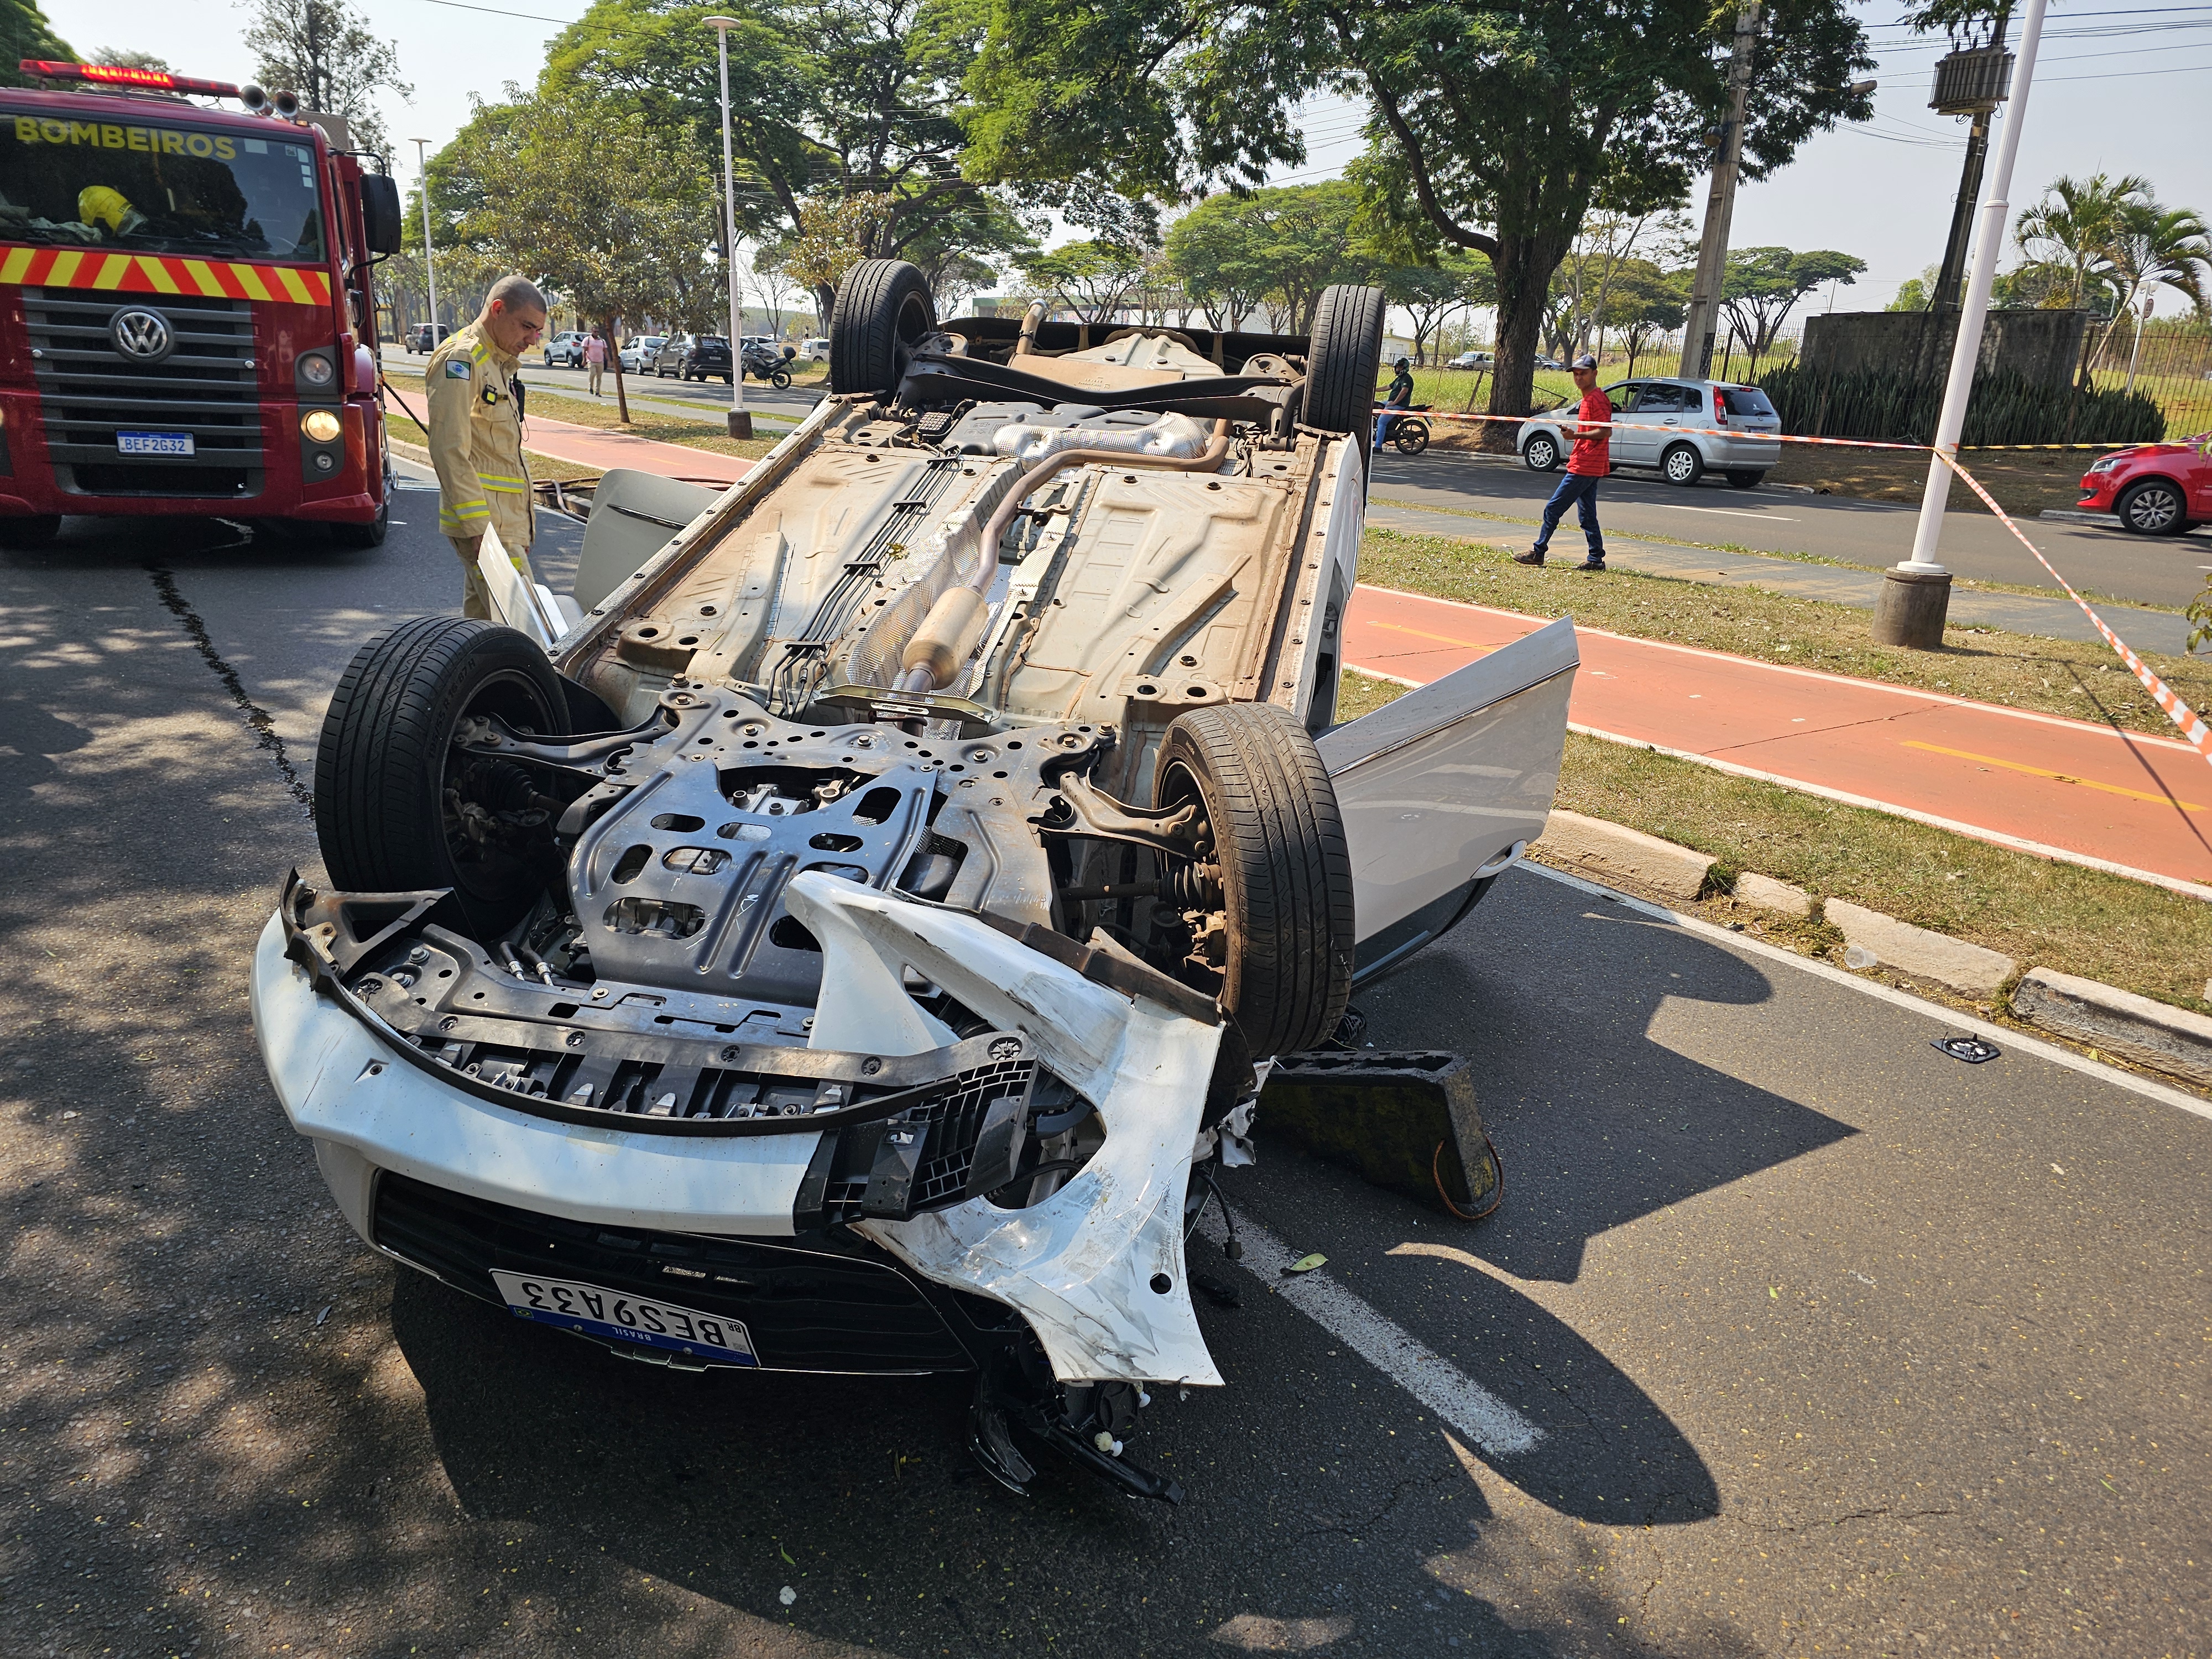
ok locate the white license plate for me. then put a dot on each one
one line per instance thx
(154, 443)
(597, 1311)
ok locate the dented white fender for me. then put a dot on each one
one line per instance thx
(1096, 1269)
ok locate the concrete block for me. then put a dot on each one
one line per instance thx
(1965, 967)
(1768, 893)
(2170, 1039)
(1600, 850)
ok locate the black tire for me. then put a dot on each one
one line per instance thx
(381, 768)
(882, 312)
(1740, 479)
(1341, 361)
(2152, 507)
(1411, 437)
(1541, 453)
(30, 533)
(358, 538)
(780, 379)
(1274, 828)
(1682, 464)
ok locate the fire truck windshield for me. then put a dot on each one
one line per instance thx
(148, 184)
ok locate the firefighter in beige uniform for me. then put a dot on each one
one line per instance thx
(475, 433)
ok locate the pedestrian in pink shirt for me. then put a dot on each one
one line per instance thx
(595, 360)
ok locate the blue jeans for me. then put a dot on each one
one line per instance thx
(1579, 491)
(1382, 429)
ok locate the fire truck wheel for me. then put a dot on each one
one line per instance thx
(30, 533)
(371, 534)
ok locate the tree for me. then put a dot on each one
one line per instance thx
(125, 58)
(1645, 302)
(1762, 286)
(321, 51)
(1095, 277)
(635, 204)
(1582, 286)
(1497, 125)
(844, 101)
(1430, 293)
(1284, 246)
(2074, 228)
(1915, 293)
(2157, 246)
(25, 33)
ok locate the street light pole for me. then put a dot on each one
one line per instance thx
(1916, 596)
(741, 419)
(1701, 323)
(429, 264)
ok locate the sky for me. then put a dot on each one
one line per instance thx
(2117, 90)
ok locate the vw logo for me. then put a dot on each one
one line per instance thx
(141, 333)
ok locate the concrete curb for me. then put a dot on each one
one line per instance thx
(1594, 846)
(2166, 1039)
(2170, 1039)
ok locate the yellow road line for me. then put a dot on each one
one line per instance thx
(1464, 645)
(2060, 777)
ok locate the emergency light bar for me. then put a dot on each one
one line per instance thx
(116, 75)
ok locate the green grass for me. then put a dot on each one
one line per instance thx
(2043, 914)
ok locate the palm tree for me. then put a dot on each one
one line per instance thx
(2074, 227)
(2157, 245)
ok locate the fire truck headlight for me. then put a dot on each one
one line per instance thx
(320, 425)
(315, 369)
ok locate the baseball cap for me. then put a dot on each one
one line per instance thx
(1586, 360)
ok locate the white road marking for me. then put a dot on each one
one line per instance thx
(1732, 512)
(1463, 1404)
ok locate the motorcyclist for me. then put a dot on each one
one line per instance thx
(1399, 395)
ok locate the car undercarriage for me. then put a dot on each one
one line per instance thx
(854, 934)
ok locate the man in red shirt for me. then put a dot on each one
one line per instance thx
(1590, 461)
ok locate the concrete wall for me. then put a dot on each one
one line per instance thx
(2044, 347)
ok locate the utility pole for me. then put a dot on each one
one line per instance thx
(1701, 323)
(429, 264)
(1915, 595)
(1971, 82)
(741, 419)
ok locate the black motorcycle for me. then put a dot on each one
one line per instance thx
(765, 362)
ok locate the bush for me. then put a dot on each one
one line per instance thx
(2005, 408)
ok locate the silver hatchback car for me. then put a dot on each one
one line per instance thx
(1674, 426)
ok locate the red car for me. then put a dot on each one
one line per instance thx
(2157, 489)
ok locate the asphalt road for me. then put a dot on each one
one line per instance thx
(2152, 570)
(1831, 1342)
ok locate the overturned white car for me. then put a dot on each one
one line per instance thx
(850, 946)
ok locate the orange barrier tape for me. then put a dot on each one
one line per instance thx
(2179, 713)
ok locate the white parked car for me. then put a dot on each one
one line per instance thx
(1472, 360)
(638, 352)
(1663, 425)
(817, 346)
(847, 937)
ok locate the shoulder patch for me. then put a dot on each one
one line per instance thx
(456, 369)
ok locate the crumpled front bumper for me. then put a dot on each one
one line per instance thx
(1096, 1270)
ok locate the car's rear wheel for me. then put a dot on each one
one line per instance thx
(1346, 350)
(2152, 507)
(1741, 478)
(398, 808)
(1541, 453)
(884, 311)
(1682, 464)
(1272, 849)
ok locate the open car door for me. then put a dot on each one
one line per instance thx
(1444, 788)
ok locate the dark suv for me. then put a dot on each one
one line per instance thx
(422, 337)
(707, 356)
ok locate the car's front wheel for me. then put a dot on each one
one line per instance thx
(1541, 453)
(2152, 507)
(1682, 464)
(399, 808)
(1272, 853)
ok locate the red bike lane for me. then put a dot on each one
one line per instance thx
(2089, 794)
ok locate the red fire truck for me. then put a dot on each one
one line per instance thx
(186, 316)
